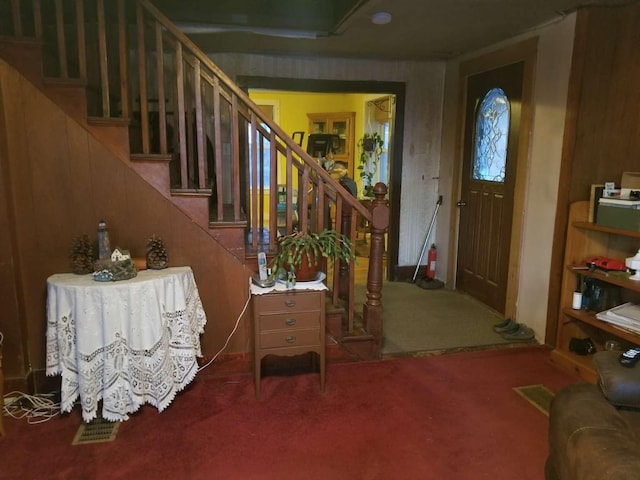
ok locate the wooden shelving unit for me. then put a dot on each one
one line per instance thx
(586, 240)
(341, 124)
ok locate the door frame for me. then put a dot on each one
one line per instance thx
(526, 52)
(312, 86)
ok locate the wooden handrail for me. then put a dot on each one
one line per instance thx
(240, 94)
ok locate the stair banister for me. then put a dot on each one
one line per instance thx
(372, 312)
(82, 42)
(124, 69)
(239, 93)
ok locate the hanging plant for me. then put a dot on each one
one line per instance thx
(370, 152)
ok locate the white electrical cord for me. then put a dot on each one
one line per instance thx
(40, 408)
(35, 408)
(229, 337)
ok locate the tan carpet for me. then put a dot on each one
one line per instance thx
(417, 320)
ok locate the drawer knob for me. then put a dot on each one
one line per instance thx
(291, 339)
(290, 321)
(290, 303)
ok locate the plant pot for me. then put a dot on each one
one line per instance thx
(307, 272)
(368, 144)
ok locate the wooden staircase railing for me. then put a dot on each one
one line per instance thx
(182, 109)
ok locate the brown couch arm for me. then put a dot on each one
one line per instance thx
(589, 439)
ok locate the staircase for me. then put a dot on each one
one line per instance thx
(127, 74)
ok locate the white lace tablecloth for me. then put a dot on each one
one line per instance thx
(126, 343)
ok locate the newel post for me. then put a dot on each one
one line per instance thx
(372, 310)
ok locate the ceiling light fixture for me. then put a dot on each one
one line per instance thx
(381, 18)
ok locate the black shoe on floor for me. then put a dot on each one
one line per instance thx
(505, 327)
(502, 324)
(521, 334)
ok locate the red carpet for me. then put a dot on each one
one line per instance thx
(453, 416)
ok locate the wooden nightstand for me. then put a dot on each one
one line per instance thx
(288, 323)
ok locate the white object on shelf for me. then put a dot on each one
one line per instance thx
(634, 264)
(283, 286)
(577, 301)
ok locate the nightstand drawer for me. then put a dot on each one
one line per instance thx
(288, 323)
(290, 338)
(284, 321)
(283, 302)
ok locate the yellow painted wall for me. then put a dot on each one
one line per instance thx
(291, 110)
(294, 106)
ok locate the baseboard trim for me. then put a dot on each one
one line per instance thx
(36, 381)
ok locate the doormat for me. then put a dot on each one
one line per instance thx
(537, 395)
(98, 430)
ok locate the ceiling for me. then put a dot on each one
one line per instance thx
(419, 29)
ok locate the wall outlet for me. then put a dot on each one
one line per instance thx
(9, 400)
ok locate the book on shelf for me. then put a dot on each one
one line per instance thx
(626, 316)
(623, 202)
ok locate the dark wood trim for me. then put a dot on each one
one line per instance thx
(514, 53)
(357, 86)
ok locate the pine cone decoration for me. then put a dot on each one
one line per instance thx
(157, 257)
(82, 255)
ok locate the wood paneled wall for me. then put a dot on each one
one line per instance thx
(602, 128)
(13, 348)
(59, 181)
(607, 127)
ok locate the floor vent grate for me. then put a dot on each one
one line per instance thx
(96, 431)
(537, 395)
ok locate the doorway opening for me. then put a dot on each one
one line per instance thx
(379, 98)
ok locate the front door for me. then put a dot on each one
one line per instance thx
(492, 124)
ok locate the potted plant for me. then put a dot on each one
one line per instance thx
(299, 254)
(370, 152)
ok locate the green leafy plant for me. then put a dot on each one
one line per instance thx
(370, 152)
(313, 246)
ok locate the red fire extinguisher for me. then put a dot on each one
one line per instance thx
(431, 262)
